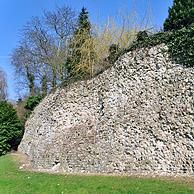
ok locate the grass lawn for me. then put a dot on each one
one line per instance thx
(14, 181)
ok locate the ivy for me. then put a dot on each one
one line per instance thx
(180, 44)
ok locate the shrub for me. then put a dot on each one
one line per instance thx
(11, 129)
(32, 102)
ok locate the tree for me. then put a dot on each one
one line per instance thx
(32, 102)
(3, 86)
(84, 24)
(40, 58)
(181, 14)
(181, 24)
(25, 69)
(81, 48)
(61, 25)
(11, 129)
(44, 87)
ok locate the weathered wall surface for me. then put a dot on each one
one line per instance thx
(136, 117)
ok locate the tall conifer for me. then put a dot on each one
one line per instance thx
(181, 14)
(81, 47)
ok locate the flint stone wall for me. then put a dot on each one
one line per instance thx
(136, 117)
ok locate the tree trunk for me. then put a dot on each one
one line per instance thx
(31, 84)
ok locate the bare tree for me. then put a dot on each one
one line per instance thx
(61, 25)
(3, 85)
(40, 58)
(22, 60)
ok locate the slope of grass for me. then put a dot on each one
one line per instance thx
(13, 181)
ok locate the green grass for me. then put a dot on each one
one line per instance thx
(14, 181)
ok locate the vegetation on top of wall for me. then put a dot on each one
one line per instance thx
(178, 34)
(179, 42)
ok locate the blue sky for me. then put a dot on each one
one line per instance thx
(15, 13)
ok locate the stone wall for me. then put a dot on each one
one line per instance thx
(136, 117)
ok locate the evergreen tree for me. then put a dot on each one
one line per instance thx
(84, 24)
(181, 14)
(81, 48)
(11, 129)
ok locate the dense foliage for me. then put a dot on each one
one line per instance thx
(181, 15)
(181, 46)
(11, 129)
(32, 102)
(25, 106)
